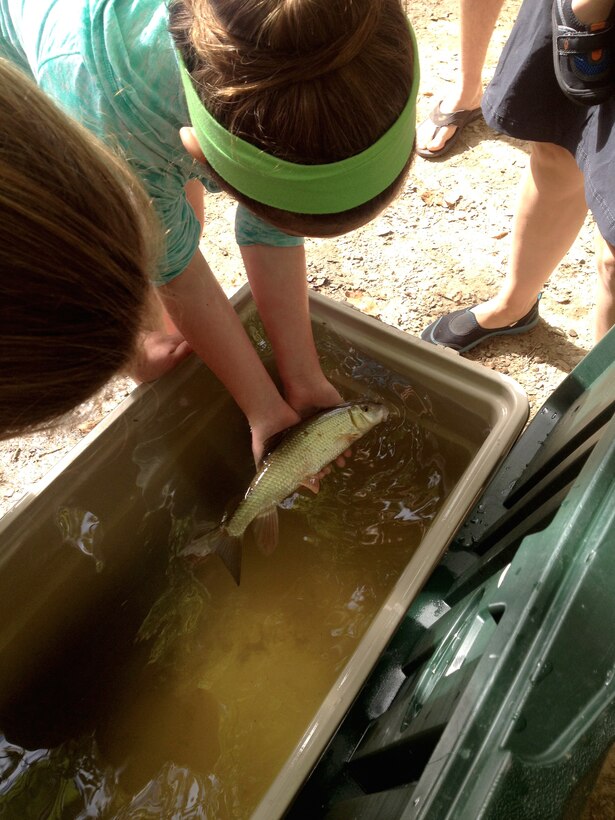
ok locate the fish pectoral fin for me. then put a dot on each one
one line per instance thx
(312, 483)
(266, 529)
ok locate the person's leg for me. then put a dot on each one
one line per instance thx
(549, 215)
(477, 22)
(604, 315)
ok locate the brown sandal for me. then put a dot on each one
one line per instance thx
(458, 119)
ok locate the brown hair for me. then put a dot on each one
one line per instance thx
(74, 259)
(309, 81)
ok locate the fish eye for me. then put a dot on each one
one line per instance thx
(365, 408)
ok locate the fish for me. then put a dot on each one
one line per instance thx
(291, 460)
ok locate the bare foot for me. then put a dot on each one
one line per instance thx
(429, 137)
(159, 352)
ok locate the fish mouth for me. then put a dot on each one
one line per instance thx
(382, 415)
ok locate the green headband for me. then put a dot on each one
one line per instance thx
(309, 189)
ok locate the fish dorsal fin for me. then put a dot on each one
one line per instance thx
(266, 529)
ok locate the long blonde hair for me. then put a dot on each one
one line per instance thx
(309, 81)
(75, 232)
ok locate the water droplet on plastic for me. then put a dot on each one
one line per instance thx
(543, 668)
(519, 722)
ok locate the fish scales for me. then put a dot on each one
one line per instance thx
(303, 453)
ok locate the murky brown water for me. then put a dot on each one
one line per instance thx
(184, 695)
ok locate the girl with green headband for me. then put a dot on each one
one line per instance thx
(303, 110)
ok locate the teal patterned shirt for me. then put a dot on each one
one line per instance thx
(111, 65)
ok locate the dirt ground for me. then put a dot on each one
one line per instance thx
(444, 244)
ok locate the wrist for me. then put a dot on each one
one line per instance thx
(308, 395)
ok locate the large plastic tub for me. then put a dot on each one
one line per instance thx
(117, 481)
(494, 698)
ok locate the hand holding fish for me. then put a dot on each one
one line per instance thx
(268, 429)
(304, 451)
(303, 401)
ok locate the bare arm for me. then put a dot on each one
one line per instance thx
(200, 309)
(278, 281)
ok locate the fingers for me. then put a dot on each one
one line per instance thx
(341, 460)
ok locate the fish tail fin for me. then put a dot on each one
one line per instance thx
(220, 543)
(229, 549)
(266, 530)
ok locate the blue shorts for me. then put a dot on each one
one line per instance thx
(524, 101)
